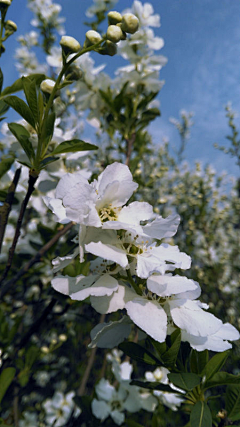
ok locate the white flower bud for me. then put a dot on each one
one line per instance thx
(114, 18)
(73, 73)
(10, 26)
(108, 48)
(69, 44)
(62, 337)
(4, 4)
(47, 85)
(114, 33)
(130, 23)
(92, 37)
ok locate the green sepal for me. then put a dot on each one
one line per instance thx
(73, 146)
(201, 415)
(6, 379)
(22, 135)
(185, 380)
(21, 108)
(139, 353)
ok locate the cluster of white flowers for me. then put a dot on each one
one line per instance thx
(47, 11)
(133, 269)
(113, 400)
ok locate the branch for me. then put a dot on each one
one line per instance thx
(81, 390)
(130, 143)
(6, 207)
(31, 183)
(35, 259)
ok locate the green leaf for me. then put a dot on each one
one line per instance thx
(233, 402)
(222, 378)
(29, 87)
(153, 386)
(5, 164)
(170, 356)
(201, 415)
(32, 354)
(1, 80)
(137, 352)
(21, 108)
(215, 364)
(3, 195)
(48, 130)
(73, 146)
(132, 423)
(6, 379)
(160, 347)
(18, 84)
(25, 164)
(47, 161)
(185, 380)
(198, 361)
(22, 135)
(3, 108)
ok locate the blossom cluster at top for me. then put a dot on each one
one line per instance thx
(133, 269)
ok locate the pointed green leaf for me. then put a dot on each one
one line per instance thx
(5, 164)
(215, 364)
(29, 87)
(47, 132)
(1, 80)
(222, 378)
(201, 415)
(160, 347)
(29, 165)
(198, 361)
(22, 135)
(73, 146)
(137, 352)
(3, 107)
(185, 380)
(153, 386)
(40, 107)
(233, 402)
(6, 379)
(47, 161)
(18, 84)
(21, 108)
(170, 356)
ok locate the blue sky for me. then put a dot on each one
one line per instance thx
(202, 44)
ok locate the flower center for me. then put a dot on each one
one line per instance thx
(109, 213)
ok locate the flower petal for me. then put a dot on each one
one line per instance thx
(115, 302)
(169, 285)
(109, 252)
(162, 227)
(149, 316)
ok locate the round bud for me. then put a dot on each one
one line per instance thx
(69, 45)
(114, 33)
(130, 23)
(108, 48)
(73, 73)
(114, 18)
(4, 4)
(92, 37)
(124, 35)
(47, 86)
(10, 26)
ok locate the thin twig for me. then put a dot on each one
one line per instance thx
(130, 143)
(31, 183)
(35, 259)
(5, 209)
(87, 372)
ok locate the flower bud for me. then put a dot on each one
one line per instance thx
(130, 23)
(108, 48)
(47, 86)
(124, 35)
(92, 37)
(69, 45)
(73, 73)
(114, 33)
(4, 4)
(10, 26)
(114, 18)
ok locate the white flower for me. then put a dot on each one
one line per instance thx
(109, 402)
(144, 12)
(214, 342)
(29, 420)
(59, 408)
